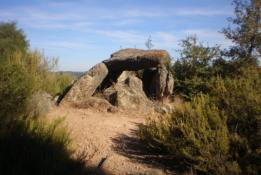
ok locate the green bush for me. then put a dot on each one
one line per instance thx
(62, 81)
(16, 89)
(39, 105)
(231, 81)
(240, 100)
(194, 68)
(28, 145)
(195, 134)
(42, 70)
(36, 147)
(11, 40)
(25, 76)
(218, 133)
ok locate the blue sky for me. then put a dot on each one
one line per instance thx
(82, 33)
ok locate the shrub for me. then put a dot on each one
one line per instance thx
(25, 76)
(62, 82)
(194, 67)
(16, 89)
(42, 69)
(11, 40)
(29, 145)
(195, 134)
(240, 100)
(233, 145)
(39, 105)
(36, 147)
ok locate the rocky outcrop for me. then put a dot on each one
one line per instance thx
(128, 80)
(87, 84)
(128, 93)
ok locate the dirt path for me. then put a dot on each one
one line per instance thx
(108, 138)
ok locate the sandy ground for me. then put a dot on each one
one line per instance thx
(109, 139)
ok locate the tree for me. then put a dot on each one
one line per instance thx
(193, 68)
(245, 30)
(148, 43)
(12, 40)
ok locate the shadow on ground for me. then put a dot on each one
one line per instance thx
(131, 146)
(24, 150)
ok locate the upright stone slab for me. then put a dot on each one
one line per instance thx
(160, 81)
(87, 84)
(170, 85)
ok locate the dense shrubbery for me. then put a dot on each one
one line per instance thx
(240, 100)
(29, 145)
(233, 107)
(193, 70)
(15, 90)
(195, 135)
(217, 130)
(24, 73)
(11, 40)
(36, 147)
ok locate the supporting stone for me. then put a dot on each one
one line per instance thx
(87, 84)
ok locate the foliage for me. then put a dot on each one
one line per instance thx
(15, 90)
(42, 70)
(230, 82)
(244, 31)
(240, 100)
(36, 147)
(195, 134)
(233, 106)
(194, 68)
(62, 82)
(29, 145)
(148, 43)
(39, 105)
(22, 76)
(11, 40)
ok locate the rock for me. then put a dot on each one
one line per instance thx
(127, 80)
(127, 93)
(87, 84)
(95, 102)
(40, 104)
(124, 75)
(160, 82)
(136, 59)
(163, 107)
(148, 84)
(170, 85)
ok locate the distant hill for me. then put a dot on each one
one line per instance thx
(75, 74)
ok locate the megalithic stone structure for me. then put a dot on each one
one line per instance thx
(121, 70)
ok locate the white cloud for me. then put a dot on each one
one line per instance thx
(201, 12)
(164, 39)
(209, 36)
(161, 40)
(143, 13)
(125, 22)
(127, 37)
(62, 44)
(78, 26)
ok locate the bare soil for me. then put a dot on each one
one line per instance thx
(110, 141)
